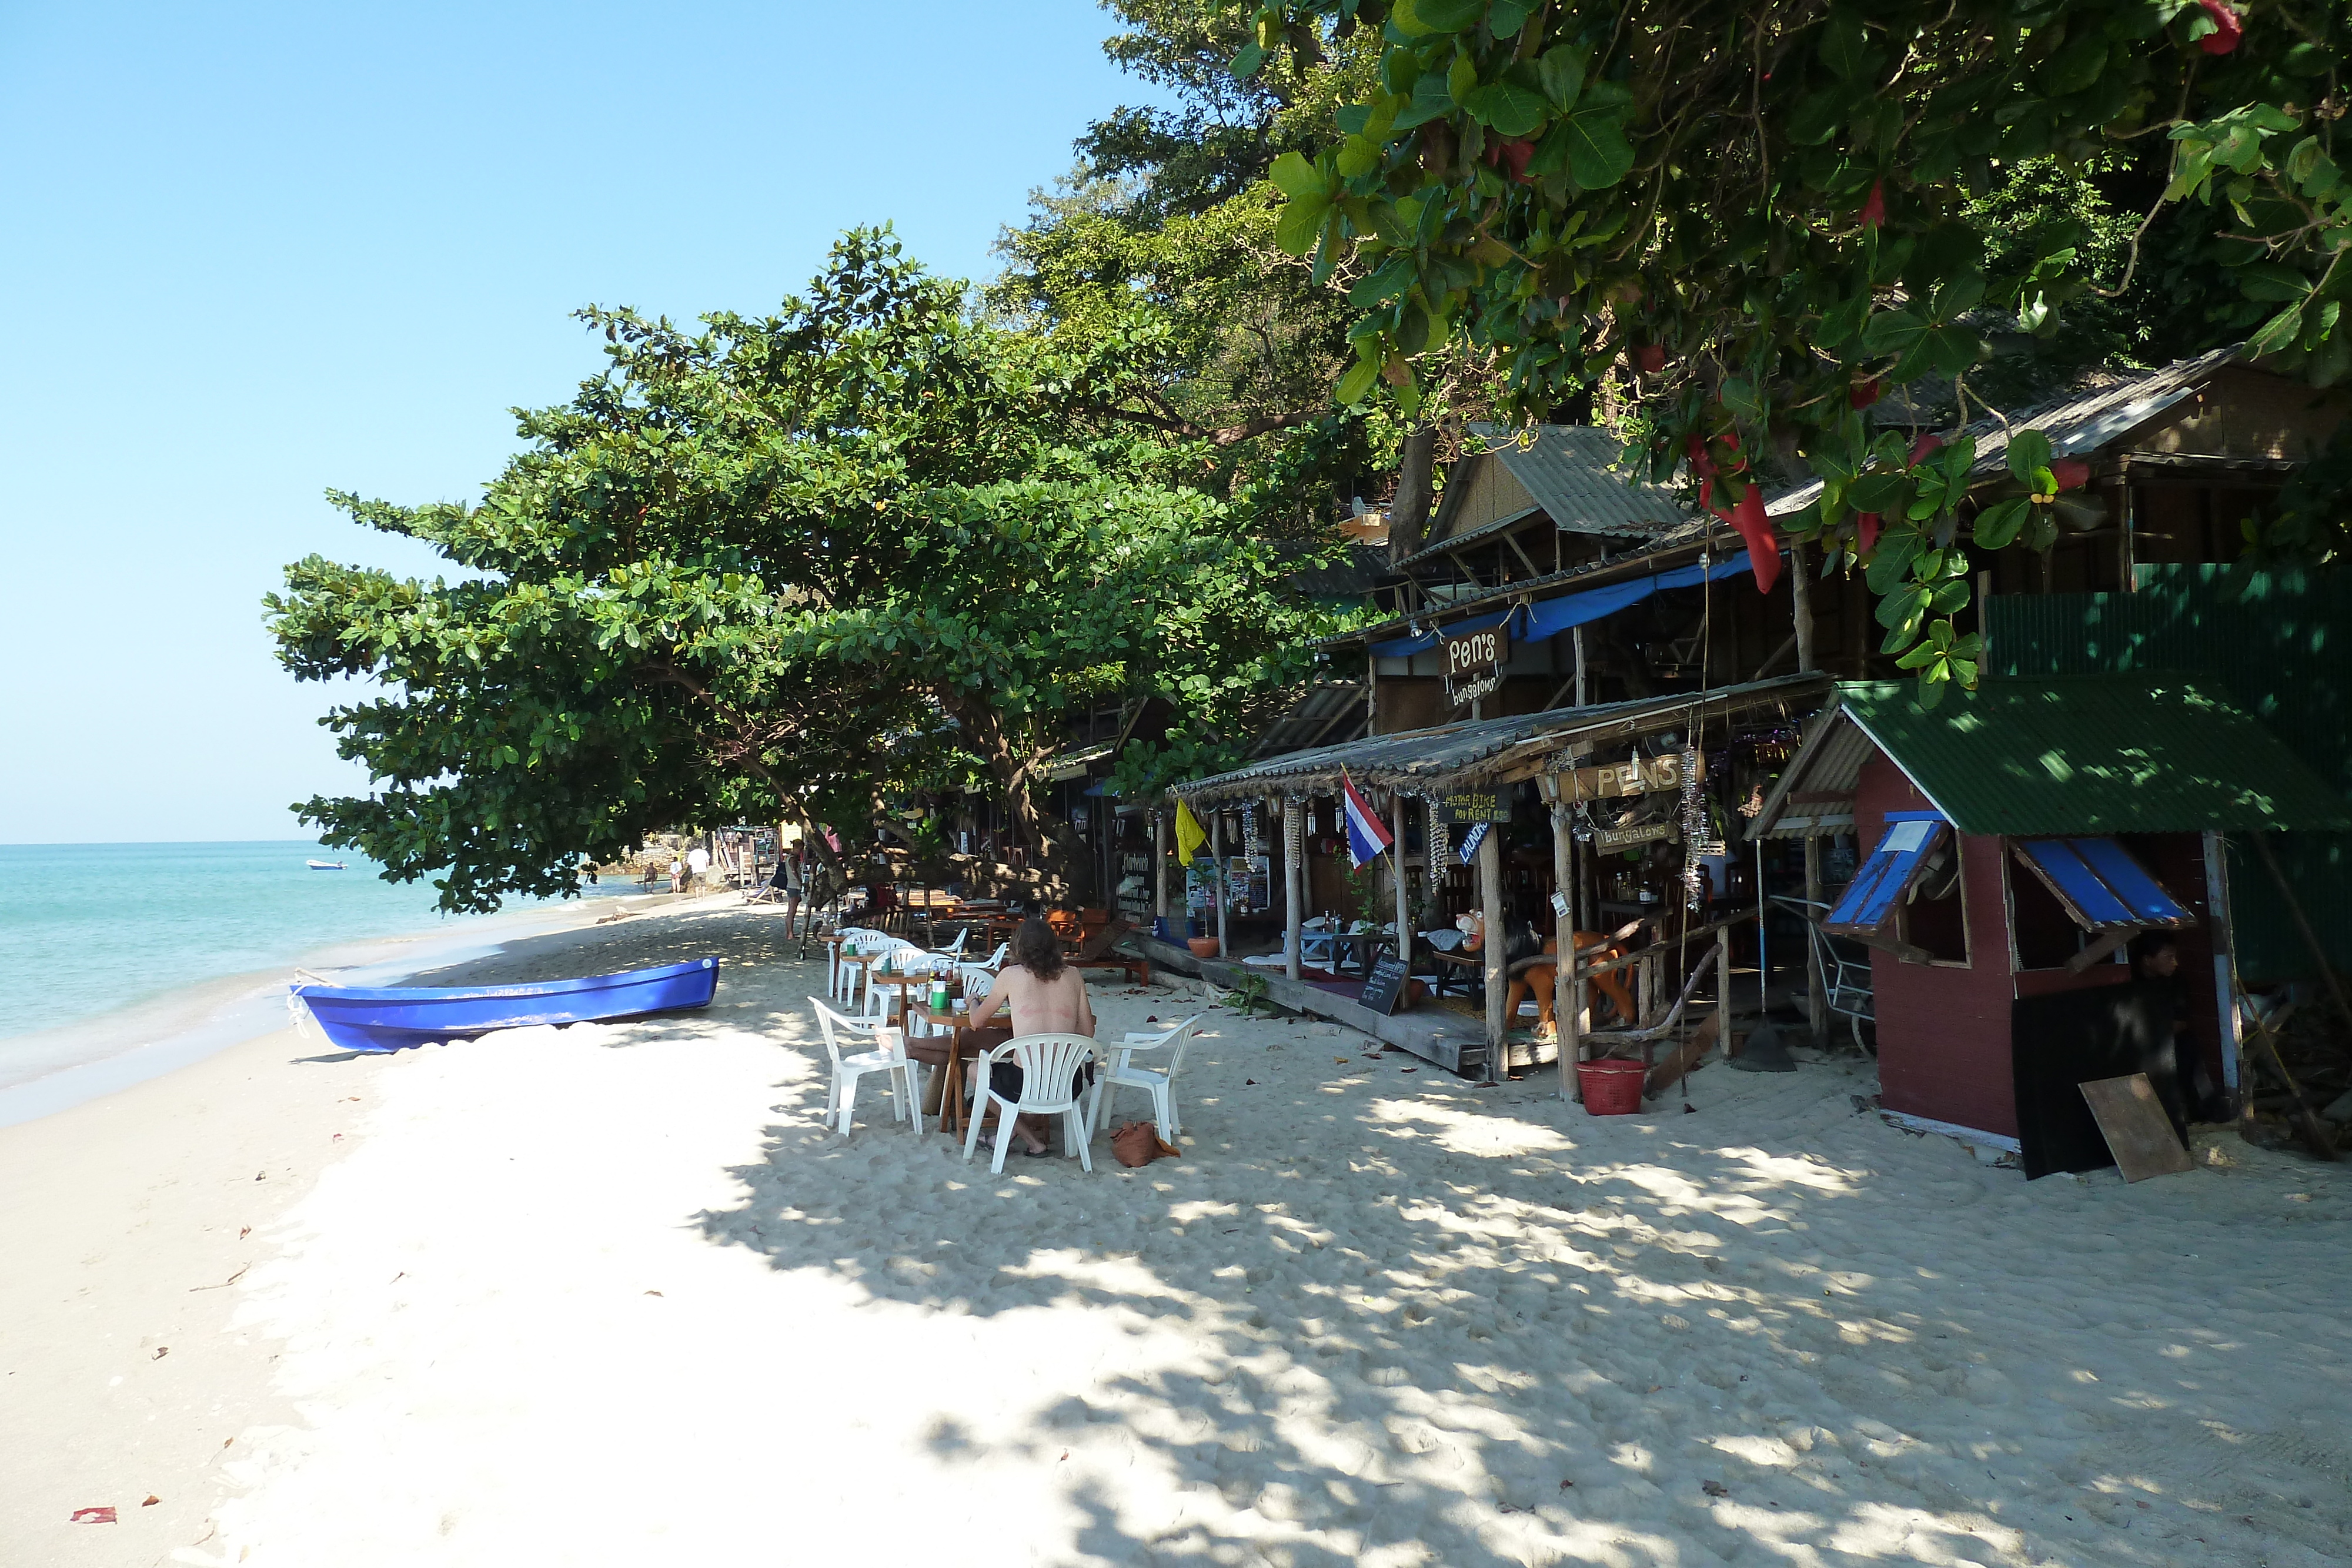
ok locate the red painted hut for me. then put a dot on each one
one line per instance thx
(2010, 843)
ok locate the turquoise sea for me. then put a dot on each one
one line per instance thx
(89, 930)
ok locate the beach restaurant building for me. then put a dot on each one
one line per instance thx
(1604, 676)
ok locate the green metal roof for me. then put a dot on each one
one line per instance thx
(2092, 754)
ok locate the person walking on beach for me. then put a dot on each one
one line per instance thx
(1040, 994)
(676, 873)
(795, 884)
(697, 863)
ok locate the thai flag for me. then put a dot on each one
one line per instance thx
(1367, 839)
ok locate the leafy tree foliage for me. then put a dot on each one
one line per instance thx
(813, 554)
(1762, 214)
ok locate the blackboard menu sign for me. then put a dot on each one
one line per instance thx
(1384, 985)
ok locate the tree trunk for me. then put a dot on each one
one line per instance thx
(1014, 765)
(1408, 511)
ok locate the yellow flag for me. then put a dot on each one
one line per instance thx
(1190, 834)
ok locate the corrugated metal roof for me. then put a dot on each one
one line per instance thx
(2067, 755)
(2076, 425)
(1445, 757)
(1325, 712)
(1572, 472)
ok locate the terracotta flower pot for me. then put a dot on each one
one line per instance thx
(1202, 946)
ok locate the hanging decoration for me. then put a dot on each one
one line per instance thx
(1440, 845)
(1694, 826)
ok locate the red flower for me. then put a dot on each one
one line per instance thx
(1763, 544)
(1874, 210)
(1511, 157)
(2227, 28)
(1926, 446)
(2072, 473)
(1865, 532)
(1862, 394)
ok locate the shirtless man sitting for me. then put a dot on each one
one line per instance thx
(1040, 993)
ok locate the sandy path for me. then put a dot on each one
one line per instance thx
(608, 1295)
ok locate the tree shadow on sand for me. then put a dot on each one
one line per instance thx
(1545, 1340)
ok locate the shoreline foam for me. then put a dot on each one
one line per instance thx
(47, 1071)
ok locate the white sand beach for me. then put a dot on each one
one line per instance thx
(610, 1295)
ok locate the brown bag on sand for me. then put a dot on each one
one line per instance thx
(1137, 1144)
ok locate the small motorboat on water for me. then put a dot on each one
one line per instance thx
(324, 865)
(388, 1017)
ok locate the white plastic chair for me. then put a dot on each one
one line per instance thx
(890, 1056)
(1049, 1067)
(1159, 1083)
(994, 962)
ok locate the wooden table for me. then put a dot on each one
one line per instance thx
(855, 960)
(1470, 968)
(949, 1053)
(1368, 945)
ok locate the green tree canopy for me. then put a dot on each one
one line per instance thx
(813, 553)
(1760, 216)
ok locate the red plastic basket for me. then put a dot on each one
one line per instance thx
(1612, 1086)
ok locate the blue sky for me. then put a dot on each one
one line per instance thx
(253, 252)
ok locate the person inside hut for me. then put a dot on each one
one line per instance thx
(2175, 1068)
(1039, 993)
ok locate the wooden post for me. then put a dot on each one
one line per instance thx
(1817, 990)
(1490, 899)
(2216, 923)
(1577, 638)
(1564, 996)
(1800, 590)
(1294, 886)
(1723, 991)
(1160, 871)
(1217, 849)
(1403, 896)
(2123, 554)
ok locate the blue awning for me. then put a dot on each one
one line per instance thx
(2101, 885)
(1553, 616)
(1901, 852)
(1550, 617)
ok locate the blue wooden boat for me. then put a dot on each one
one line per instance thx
(389, 1017)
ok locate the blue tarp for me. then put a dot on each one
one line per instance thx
(1870, 898)
(1406, 647)
(2099, 877)
(1550, 617)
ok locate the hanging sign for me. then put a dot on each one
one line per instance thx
(1626, 838)
(1474, 806)
(1616, 781)
(1473, 662)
